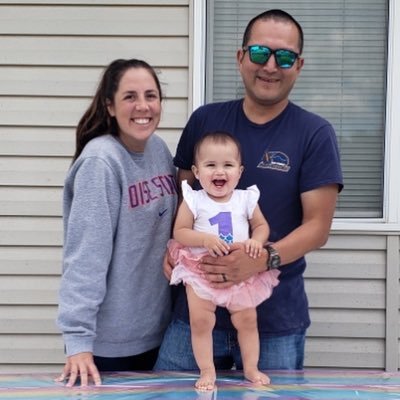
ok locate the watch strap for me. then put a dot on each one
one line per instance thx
(274, 259)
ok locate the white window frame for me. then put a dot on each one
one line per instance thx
(390, 222)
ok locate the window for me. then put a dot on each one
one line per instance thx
(343, 80)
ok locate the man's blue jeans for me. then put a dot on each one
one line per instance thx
(277, 352)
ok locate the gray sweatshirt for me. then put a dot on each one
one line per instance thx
(119, 207)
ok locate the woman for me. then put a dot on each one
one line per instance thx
(119, 202)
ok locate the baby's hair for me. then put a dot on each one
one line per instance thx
(217, 137)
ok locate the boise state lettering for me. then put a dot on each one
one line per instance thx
(146, 191)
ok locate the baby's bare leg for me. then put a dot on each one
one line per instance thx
(245, 321)
(202, 321)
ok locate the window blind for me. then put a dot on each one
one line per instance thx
(343, 80)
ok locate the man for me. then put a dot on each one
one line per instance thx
(292, 156)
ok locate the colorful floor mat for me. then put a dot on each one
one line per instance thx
(288, 385)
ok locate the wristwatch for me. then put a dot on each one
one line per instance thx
(274, 259)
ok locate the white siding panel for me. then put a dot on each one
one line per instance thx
(174, 113)
(52, 54)
(94, 20)
(29, 290)
(23, 368)
(171, 137)
(346, 293)
(174, 82)
(77, 81)
(31, 349)
(359, 323)
(352, 353)
(30, 260)
(352, 264)
(94, 51)
(346, 286)
(33, 171)
(103, 2)
(28, 319)
(43, 111)
(34, 231)
(55, 141)
(47, 111)
(30, 201)
(48, 81)
(356, 242)
(37, 141)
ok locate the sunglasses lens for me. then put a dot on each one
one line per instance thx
(285, 58)
(259, 54)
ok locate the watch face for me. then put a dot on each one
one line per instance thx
(275, 261)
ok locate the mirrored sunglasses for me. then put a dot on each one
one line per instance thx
(261, 54)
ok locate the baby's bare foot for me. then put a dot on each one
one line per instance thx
(257, 377)
(206, 381)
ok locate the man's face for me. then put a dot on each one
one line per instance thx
(268, 84)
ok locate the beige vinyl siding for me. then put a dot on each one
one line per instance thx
(51, 56)
(354, 296)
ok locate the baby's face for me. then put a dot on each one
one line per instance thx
(218, 168)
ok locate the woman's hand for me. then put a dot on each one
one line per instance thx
(81, 365)
(236, 267)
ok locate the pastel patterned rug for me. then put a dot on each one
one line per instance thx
(286, 385)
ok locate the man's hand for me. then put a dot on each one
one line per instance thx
(168, 265)
(236, 267)
(81, 365)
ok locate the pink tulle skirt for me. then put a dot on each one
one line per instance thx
(248, 294)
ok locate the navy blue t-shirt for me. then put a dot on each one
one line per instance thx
(294, 153)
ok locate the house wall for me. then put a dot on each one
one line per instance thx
(353, 289)
(51, 57)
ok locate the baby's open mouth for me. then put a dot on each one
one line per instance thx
(219, 182)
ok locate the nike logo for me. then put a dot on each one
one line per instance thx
(161, 213)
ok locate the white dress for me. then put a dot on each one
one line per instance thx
(229, 221)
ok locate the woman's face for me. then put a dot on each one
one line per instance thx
(136, 108)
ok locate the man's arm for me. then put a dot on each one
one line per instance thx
(183, 174)
(318, 209)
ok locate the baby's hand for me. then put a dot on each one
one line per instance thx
(253, 248)
(215, 246)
